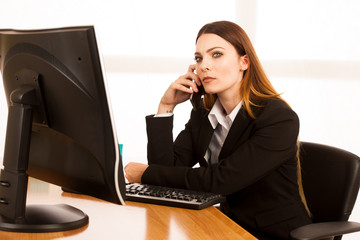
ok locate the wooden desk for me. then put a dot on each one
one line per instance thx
(135, 221)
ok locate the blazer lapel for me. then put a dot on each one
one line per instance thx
(241, 122)
(206, 132)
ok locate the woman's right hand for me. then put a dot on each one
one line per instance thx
(179, 91)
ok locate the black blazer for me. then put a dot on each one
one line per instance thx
(256, 169)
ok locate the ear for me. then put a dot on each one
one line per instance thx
(244, 62)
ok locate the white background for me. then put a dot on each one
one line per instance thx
(310, 51)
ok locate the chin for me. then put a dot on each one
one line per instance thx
(210, 91)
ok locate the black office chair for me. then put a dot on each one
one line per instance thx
(331, 179)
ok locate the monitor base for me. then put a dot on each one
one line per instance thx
(46, 218)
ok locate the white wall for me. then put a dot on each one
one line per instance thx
(309, 49)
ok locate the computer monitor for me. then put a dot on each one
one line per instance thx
(60, 128)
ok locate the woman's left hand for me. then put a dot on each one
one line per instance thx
(134, 171)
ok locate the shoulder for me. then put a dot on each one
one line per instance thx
(275, 108)
(275, 103)
(276, 119)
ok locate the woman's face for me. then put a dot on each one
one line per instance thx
(218, 65)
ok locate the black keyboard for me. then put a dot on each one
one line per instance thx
(171, 196)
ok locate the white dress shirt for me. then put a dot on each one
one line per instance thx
(222, 124)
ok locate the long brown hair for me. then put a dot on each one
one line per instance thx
(255, 85)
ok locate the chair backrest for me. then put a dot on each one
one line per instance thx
(331, 179)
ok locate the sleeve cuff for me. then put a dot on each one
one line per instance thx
(164, 115)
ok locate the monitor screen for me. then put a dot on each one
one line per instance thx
(60, 128)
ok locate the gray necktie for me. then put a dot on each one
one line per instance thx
(215, 145)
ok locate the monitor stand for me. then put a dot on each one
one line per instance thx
(15, 215)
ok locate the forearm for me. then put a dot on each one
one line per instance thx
(161, 148)
(160, 140)
(165, 108)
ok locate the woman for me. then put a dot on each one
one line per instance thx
(244, 137)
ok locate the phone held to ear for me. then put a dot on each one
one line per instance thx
(195, 98)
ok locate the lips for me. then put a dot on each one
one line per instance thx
(208, 79)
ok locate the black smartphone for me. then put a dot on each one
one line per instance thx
(196, 99)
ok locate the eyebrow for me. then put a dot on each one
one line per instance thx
(209, 50)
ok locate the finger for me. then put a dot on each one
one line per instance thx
(183, 88)
(128, 177)
(177, 87)
(187, 83)
(192, 68)
(194, 78)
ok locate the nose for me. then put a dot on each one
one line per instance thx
(205, 65)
